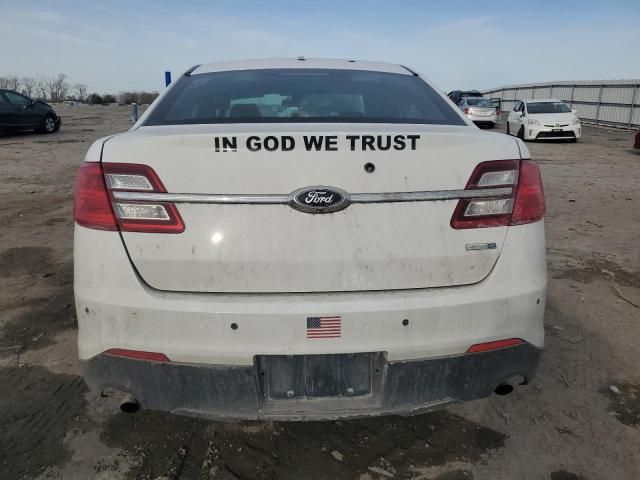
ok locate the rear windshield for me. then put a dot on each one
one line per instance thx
(302, 95)
(548, 107)
(480, 102)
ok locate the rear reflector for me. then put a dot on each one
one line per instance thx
(525, 204)
(485, 347)
(138, 355)
(96, 208)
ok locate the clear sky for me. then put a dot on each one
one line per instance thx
(127, 45)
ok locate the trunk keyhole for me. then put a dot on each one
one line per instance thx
(369, 167)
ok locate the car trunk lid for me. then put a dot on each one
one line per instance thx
(269, 247)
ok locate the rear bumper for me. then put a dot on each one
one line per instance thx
(482, 119)
(226, 391)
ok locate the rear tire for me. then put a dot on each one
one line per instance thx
(521, 134)
(508, 129)
(48, 125)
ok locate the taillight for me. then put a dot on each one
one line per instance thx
(529, 204)
(509, 192)
(91, 203)
(466, 111)
(128, 216)
(149, 217)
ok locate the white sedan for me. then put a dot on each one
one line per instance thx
(308, 239)
(544, 119)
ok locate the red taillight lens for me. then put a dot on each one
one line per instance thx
(485, 347)
(529, 205)
(466, 111)
(104, 181)
(518, 198)
(92, 205)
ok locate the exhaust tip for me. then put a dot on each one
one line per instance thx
(503, 389)
(130, 405)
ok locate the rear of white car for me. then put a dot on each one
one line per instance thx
(480, 111)
(307, 239)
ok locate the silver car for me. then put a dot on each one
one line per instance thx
(479, 110)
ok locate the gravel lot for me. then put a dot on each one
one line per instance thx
(580, 419)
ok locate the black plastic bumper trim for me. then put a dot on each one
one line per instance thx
(234, 391)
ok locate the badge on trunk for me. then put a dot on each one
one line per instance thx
(319, 199)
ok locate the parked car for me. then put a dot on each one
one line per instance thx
(19, 112)
(480, 111)
(307, 239)
(544, 119)
(636, 143)
(456, 95)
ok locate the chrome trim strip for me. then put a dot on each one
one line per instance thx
(429, 196)
(201, 198)
(267, 199)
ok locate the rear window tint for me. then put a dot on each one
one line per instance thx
(302, 95)
(480, 102)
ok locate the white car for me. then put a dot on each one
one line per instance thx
(307, 239)
(544, 119)
(479, 110)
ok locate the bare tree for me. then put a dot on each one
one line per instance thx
(29, 86)
(63, 86)
(145, 98)
(13, 82)
(58, 87)
(41, 87)
(80, 91)
(141, 98)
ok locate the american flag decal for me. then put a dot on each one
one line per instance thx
(324, 327)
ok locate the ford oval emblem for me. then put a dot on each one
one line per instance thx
(319, 199)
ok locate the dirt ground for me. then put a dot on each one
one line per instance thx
(580, 418)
